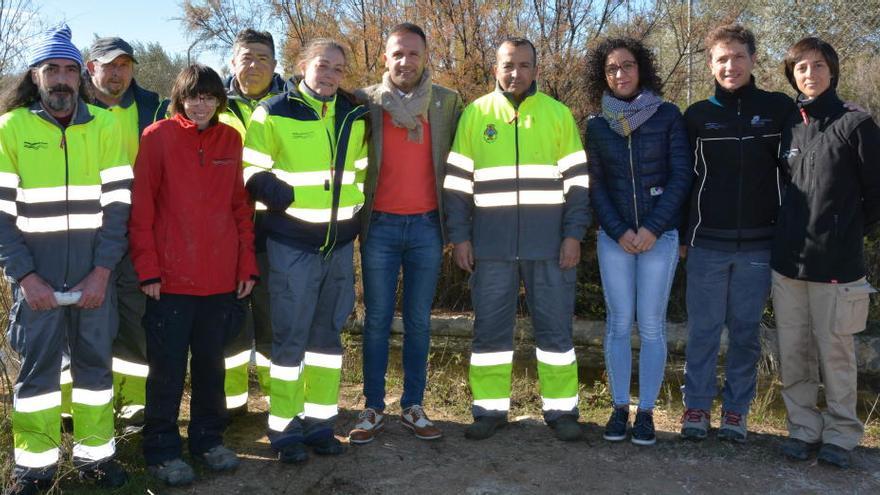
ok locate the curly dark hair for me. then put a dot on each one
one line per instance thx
(594, 74)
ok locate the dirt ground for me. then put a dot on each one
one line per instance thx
(524, 458)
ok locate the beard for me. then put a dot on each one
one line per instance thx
(59, 98)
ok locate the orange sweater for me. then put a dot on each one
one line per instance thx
(406, 178)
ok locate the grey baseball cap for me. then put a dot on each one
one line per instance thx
(105, 50)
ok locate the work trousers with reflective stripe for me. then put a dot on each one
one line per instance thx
(550, 297)
(130, 347)
(177, 326)
(256, 334)
(42, 338)
(312, 296)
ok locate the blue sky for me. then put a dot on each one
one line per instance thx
(145, 21)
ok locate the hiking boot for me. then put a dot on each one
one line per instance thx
(328, 446)
(643, 429)
(370, 423)
(618, 423)
(733, 427)
(798, 450)
(294, 453)
(106, 474)
(174, 472)
(566, 428)
(835, 456)
(484, 427)
(27, 486)
(219, 458)
(417, 421)
(695, 424)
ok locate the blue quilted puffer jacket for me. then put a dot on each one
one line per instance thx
(641, 180)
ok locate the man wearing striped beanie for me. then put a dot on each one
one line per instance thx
(64, 202)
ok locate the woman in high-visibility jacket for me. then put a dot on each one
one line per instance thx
(305, 158)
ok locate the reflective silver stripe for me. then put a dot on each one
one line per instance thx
(360, 163)
(92, 397)
(510, 172)
(36, 459)
(59, 224)
(37, 403)
(263, 361)
(104, 451)
(113, 174)
(556, 358)
(259, 115)
(237, 360)
(493, 404)
(360, 186)
(322, 215)
(286, 373)
(454, 183)
(577, 180)
(333, 361)
(251, 171)
(117, 196)
(571, 160)
(257, 158)
(319, 411)
(277, 423)
(491, 358)
(317, 178)
(525, 198)
(566, 404)
(59, 193)
(233, 401)
(8, 207)
(124, 367)
(260, 206)
(460, 161)
(66, 377)
(8, 179)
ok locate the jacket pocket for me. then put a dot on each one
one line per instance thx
(851, 308)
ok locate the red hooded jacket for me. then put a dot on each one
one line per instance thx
(191, 220)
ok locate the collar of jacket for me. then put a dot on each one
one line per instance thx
(726, 97)
(533, 88)
(233, 91)
(81, 114)
(825, 105)
(189, 125)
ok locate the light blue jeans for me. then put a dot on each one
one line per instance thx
(636, 285)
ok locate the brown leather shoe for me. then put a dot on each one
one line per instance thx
(415, 419)
(370, 423)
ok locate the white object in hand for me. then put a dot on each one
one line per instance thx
(67, 298)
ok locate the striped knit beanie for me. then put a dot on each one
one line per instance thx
(54, 43)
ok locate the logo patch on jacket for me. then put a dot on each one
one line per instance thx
(35, 145)
(758, 121)
(302, 135)
(490, 134)
(223, 161)
(714, 126)
(656, 191)
(791, 153)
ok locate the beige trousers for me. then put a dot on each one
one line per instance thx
(816, 322)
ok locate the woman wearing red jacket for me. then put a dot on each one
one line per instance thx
(191, 240)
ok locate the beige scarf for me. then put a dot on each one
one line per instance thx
(407, 110)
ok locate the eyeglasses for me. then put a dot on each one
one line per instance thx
(626, 67)
(206, 99)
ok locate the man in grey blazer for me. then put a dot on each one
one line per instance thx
(413, 124)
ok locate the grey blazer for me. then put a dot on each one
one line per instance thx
(443, 113)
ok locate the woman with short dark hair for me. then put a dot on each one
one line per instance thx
(820, 294)
(639, 169)
(192, 244)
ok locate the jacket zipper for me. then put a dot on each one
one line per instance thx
(66, 286)
(632, 171)
(740, 178)
(516, 167)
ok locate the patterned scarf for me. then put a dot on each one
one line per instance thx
(625, 117)
(407, 110)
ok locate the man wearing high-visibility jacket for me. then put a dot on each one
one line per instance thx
(111, 74)
(253, 81)
(517, 201)
(64, 202)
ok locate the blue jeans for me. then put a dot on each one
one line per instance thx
(724, 288)
(414, 242)
(636, 284)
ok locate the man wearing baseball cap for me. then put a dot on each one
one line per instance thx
(64, 202)
(111, 68)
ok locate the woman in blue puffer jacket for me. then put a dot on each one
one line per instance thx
(638, 158)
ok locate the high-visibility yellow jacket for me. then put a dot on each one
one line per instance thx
(64, 194)
(516, 180)
(239, 108)
(135, 112)
(306, 161)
